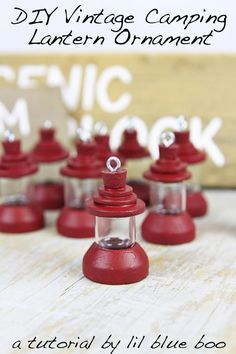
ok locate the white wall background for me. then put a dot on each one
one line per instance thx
(15, 38)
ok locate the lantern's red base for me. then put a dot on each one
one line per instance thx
(168, 229)
(196, 204)
(115, 267)
(20, 218)
(74, 222)
(142, 190)
(49, 195)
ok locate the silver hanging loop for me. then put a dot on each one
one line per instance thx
(167, 138)
(9, 135)
(47, 124)
(182, 122)
(101, 128)
(113, 164)
(83, 135)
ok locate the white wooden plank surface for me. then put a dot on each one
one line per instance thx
(191, 291)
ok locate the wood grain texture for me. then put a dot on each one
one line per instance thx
(42, 103)
(162, 84)
(190, 291)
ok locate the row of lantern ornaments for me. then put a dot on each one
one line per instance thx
(88, 207)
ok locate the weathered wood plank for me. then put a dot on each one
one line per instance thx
(202, 85)
(190, 291)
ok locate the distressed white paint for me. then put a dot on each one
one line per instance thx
(114, 72)
(18, 116)
(81, 86)
(203, 138)
(71, 88)
(190, 291)
(27, 73)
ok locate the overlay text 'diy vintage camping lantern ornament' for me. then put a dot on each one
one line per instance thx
(49, 154)
(137, 159)
(196, 201)
(167, 221)
(115, 257)
(18, 213)
(82, 174)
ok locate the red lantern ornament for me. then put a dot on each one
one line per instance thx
(102, 138)
(167, 222)
(115, 257)
(82, 174)
(18, 213)
(49, 154)
(103, 149)
(196, 201)
(137, 159)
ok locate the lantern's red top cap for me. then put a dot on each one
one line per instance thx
(85, 163)
(15, 163)
(187, 151)
(115, 198)
(103, 149)
(130, 147)
(169, 168)
(48, 149)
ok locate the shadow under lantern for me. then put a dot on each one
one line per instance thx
(49, 154)
(82, 174)
(196, 201)
(168, 222)
(115, 257)
(18, 213)
(137, 158)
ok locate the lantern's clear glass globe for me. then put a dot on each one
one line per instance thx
(115, 233)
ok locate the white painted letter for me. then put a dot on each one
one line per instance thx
(112, 73)
(71, 91)
(203, 139)
(19, 114)
(89, 87)
(25, 75)
(7, 73)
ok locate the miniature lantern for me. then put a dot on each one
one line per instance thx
(49, 154)
(167, 222)
(196, 202)
(137, 159)
(82, 174)
(17, 211)
(103, 149)
(115, 257)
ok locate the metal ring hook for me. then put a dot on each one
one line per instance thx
(83, 135)
(101, 128)
(9, 135)
(183, 124)
(167, 138)
(109, 165)
(47, 124)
